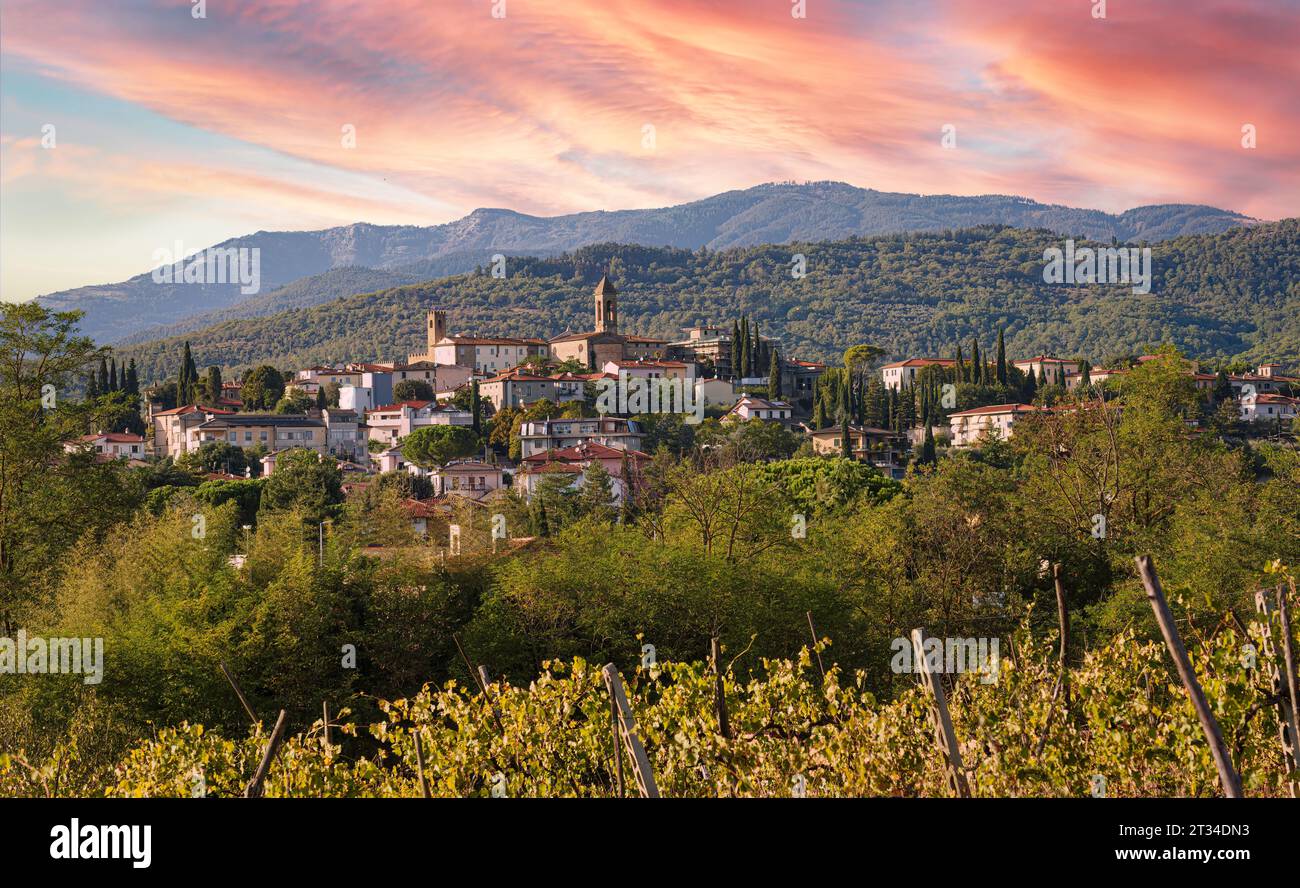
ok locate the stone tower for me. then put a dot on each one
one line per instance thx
(437, 327)
(606, 306)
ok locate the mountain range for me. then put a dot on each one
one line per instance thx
(304, 268)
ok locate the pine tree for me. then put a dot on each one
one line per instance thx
(1002, 359)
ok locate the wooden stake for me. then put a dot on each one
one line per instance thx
(254, 788)
(325, 720)
(1229, 779)
(719, 697)
(645, 778)
(945, 737)
(618, 752)
(1280, 678)
(820, 667)
(419, 763)
(238, 693)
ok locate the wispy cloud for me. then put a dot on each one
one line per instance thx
(546, 111)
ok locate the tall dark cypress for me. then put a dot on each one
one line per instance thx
(132, 379)
(735, 349)
(976, 376)
(961, 366)
(774, 376)
(1002, 359)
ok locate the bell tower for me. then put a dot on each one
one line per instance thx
(437, 329)
(606, 306)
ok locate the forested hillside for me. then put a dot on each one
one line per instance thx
(1235, 294)
(775, 213)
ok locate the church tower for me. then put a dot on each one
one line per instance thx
(606, 306)
(437, 328)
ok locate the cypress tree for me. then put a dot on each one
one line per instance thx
(961, 366)
(774, 376)
(976, 376)
(846, 445)
(475, 408)
(92, 386)
(132, 379)
(735, 349)
(1031, 386)
(1002, 359)
(104, 387)
(927, 446)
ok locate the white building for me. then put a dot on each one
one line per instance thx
(1056, 370)
(557, 434)
(117, 445)
(1267, 407)
(969, 426)
(752, 407)
(393, 422)
(901, 374)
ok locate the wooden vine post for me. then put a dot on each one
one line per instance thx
(1281, 680)
(945, 737)
(719, 697)
(254, 788)
(1229, 779)
(626, 725)
(419, 762)
(239, 693)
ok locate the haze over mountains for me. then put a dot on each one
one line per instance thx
(304, 268)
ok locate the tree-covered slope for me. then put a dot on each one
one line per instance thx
(774, 213)
(1232, 294)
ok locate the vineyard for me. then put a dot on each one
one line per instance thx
(1119, 724)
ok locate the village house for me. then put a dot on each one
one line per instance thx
(572, 462)
(346, 434)
(171, 427)
(1055, 370)
(753, 407)
(274, 431)
(393, 422)
(885, 449)
(969, 427)
(468, 478)
(1269, 407)
(517, 387)
(902, 374)
(115, 445)
(542, 435)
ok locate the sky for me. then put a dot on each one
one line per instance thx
(129, 126)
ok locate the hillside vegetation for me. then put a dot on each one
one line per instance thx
(1235, 294)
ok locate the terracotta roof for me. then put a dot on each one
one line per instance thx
(1043, 359)
(115, 437)
(997, 408)
(191, 408)
(584, 451)
(414, 405)
(920, 362)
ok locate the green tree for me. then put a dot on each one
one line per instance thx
(263, 388)
(437, 445)
(413, 390)
(304, 483)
